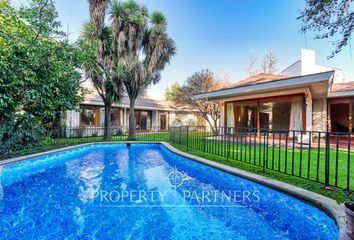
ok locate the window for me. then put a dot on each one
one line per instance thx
(142, 118)
(87, 116)
(115, 117)
(144, 122)
(280, 113)
(275, 115)
(245, 116)
(163, 120)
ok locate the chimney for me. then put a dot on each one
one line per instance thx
(308, 61)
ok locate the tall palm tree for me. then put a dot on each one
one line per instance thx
(144, 49)
(97, 10)
(97, 37)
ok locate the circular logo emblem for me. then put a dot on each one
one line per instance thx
(175, 178)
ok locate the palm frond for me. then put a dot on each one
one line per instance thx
(137, 18)
(88, 31)
(112, 92)
(115, 9)
(131, 5)
(158, 19)
(144, 10)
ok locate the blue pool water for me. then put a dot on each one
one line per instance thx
(145, 192)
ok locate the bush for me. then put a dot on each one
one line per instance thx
(14, 138)
(47, 141)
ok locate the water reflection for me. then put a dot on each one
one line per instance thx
(87, 174)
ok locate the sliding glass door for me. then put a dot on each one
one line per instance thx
(163, 120)
(280, 113)
(142, 119)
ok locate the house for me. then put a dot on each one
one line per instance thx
(150, 114)
(305, 96)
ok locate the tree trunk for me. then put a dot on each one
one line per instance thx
(211, 125)
(132, 123)
(107, 136)
(216, 125)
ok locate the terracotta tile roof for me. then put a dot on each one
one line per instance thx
(143, 102)
(258, 78)
(343, 87)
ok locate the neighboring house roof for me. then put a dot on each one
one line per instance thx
(266, 82)
(142, 103)
(342, 89)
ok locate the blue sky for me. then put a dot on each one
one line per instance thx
(219, 34)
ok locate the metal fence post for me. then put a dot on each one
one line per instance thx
(204, 139)
(327, 154)
(180, 135)
(170, 130)
(228, 143)
(265, 158)
(187, 136)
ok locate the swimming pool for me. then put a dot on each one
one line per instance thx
(111, 191)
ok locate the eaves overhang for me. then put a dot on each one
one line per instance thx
(276, 84)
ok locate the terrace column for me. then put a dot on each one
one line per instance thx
(308, 97)
(124, 119)
(155, 120)
(222, 121)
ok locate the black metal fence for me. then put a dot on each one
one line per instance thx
(95, 134)
(322, 157)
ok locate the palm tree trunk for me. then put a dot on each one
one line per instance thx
(107, 122)
(132, 123)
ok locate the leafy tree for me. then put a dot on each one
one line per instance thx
(329, 18)
(171, 92)
(38, 77)
(144, 49)
(201, 82)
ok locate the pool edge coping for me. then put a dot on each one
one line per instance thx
(326, 204)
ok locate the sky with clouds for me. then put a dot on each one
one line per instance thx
(219, 34)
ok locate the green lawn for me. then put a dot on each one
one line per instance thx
(307, 165)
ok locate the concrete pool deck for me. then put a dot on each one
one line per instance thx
(328, 205)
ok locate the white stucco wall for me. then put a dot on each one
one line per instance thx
(319, 114)
(155, 119)
(222, 114)
(182, 118)
(307, 65)
(293, 70)
(72, 118)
